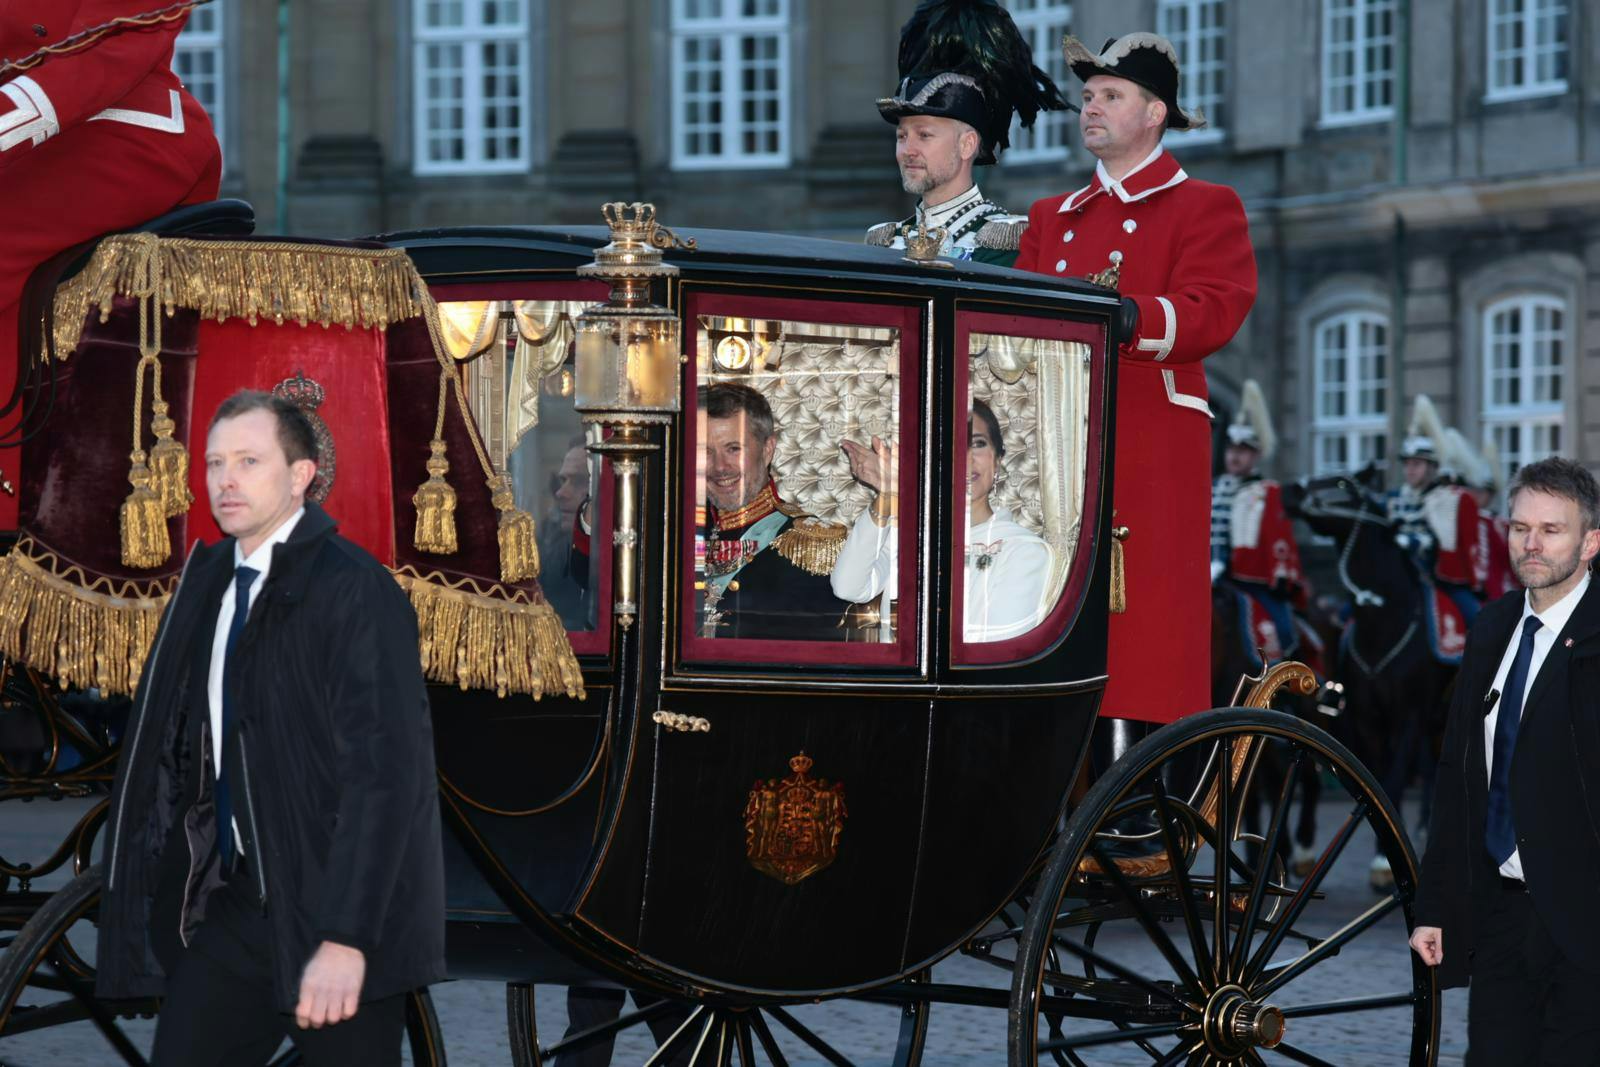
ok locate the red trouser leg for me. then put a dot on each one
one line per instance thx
(94, 178)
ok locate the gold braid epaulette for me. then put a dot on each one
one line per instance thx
(810, 544)
(281, 281)
(1002, 234)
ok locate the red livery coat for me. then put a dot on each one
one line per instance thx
(1491, 558)
(1264, 547)
(1187, 260)
(90, 142)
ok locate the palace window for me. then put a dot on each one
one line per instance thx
(1528, 45)
(730, 83)
(1350, 417)
(1043, 24)
(1524, 362)
(470, 86)
(1358, 60)
(1198, 29)
(198, 61)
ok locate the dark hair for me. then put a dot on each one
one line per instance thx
(726, 399)
(295, 435)
(1565, 478)
(986, 413)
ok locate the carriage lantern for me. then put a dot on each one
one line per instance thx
(628, 358)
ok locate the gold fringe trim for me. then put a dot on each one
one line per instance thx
(481, 640)
(811, 544)
(1119, 578)
(76, 634)
(279, 281)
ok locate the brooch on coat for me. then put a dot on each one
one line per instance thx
(983, 555)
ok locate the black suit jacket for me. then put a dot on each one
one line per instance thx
(1555, 792)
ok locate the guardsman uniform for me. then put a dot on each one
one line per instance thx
(965, 60)
(763, 573)
(1182, 250)
(1252, 537)
(96, 138)
(976, 228)
(1438, 522)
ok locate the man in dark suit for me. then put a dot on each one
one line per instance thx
(1510, 893)
(273, 858)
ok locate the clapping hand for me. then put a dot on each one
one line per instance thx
(876, 467)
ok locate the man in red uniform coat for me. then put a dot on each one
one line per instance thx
(1183, 250)
(99, 136)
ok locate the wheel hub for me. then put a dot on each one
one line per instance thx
(1235, 1024)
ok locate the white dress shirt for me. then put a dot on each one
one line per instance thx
(1552, 620)
(261, 561)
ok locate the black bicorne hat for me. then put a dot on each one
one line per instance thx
(965, 59)
(1146, 59)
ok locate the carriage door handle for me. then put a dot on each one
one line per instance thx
(689, 724)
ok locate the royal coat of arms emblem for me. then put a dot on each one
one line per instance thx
(792, 827)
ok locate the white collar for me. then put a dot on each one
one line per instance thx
(1556, 615)
(261, 559)
(1115, 184)
(952, 207)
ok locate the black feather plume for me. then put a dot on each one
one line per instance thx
(978, 38)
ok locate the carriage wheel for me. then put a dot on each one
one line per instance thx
(711, 1035)
(1140, 947)
(47, 960)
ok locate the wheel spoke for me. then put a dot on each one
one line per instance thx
(1222, 852)
(1282, 976)
(700, 1045)
(1109, 1037)
(1126, 974)
(1303, 895)
(747, 1052)
(769, 1044)
(1180, 873)
(1182, 1051)
(675, 1037)
(1300, 1055)
(1343, 1007)
(1258, 884)
(819, 1046)
(107, 1025)
(584, 1038)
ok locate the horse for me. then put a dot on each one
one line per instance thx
(1397, 689)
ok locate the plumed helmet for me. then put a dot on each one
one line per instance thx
(966, 60)
(1252, 426)
(1425, 432)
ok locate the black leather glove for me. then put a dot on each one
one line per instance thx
(1128, 319)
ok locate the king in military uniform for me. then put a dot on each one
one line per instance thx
(766, 562)
(964, 70)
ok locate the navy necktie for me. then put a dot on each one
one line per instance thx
(243, 578)
(1500, 832)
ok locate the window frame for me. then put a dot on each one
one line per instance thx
(214, 41)
(1527, 416)
(472, 35)
(1361, 76)
(1045, 26)
(1354, 424)
(1189, 46)
(595, 642)
(1058, 621)
(698, 656)
(731, 31)
(1528, 54)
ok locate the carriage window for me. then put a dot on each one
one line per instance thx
(1024, 441)
(517, 357)
(799, 483)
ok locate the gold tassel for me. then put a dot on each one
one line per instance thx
(484, 640)
(1119, 577)
(169, 463)
(519, 550)
(436, 506)
(144, 521)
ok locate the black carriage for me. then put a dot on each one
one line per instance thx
(762, 796)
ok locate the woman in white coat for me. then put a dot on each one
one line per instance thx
(1006, 564)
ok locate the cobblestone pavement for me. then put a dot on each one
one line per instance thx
(472, 1014)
